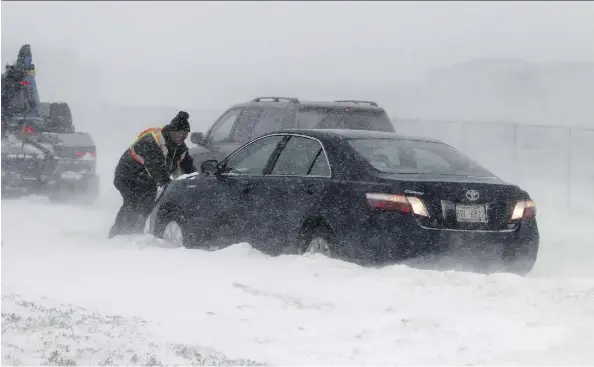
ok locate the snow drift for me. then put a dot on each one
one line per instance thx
(275, 310)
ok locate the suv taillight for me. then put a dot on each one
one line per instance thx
(400, 203)
(88, 155)
(28, 130)
(524, 209)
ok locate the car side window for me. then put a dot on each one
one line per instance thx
(297, 157)
(271, 119)
(252, 159)
(245, 124)
(221, 131)
(320, 167)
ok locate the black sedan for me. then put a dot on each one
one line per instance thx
(362, 196)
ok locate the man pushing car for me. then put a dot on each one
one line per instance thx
(145, 167)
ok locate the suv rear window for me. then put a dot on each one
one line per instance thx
(416, 157)
(344, 118)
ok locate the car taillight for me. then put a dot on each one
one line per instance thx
(524, 209)
(400, 203)
(82, 154)
(28, 129)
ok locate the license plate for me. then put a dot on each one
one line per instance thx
(471, 213)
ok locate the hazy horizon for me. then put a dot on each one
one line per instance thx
(215, 52)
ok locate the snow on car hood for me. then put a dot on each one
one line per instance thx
(183, 177)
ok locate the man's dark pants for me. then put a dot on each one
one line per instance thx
(139, 199)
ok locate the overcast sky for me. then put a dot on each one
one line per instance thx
(226, 45)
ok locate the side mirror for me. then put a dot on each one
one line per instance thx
(197, 138)
(210, 167)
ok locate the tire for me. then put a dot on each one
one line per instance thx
(321, 241)
(86, 197)
(57, 198)
(65, 198)
(174, 234)
(92, 193)
(10, 194)
(521, 260)
(172, 229)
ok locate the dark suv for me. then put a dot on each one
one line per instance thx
(245, 121)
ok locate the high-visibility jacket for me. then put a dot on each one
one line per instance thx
(156, 133)
(150, 158)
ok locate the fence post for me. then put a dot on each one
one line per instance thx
(463, 137)
(569, 166)
(516, 164)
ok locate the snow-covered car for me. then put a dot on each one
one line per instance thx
(363, 196)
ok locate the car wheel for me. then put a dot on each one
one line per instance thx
(172, 228)
(174, 234)
(320, 242)
(11, 194)
(521, 260)
(58, 198)
(76, 200)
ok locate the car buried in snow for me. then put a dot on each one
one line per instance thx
(363, 196)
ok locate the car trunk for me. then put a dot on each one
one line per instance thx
(76, 151)
(461, 202)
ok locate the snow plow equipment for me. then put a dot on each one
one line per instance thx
(40, 157)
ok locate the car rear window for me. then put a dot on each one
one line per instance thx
(344, 118)
(414, 156)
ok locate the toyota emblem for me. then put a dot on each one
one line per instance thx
(472, 195)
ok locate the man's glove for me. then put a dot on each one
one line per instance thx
(160, 191)
(165, 181)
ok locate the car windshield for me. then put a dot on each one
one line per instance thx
(344, 118)
(415, 156)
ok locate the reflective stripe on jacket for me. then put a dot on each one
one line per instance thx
(157, 134)
(159, 139)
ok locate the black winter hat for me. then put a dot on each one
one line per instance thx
(180, 122)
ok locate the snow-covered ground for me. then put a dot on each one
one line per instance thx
(69, 295)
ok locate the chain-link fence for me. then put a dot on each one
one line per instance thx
(554, 163)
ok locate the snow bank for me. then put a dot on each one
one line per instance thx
(286, 310)
(42, 332)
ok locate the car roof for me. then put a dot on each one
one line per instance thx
(327, 104)
(353, 134)
(320, 104)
